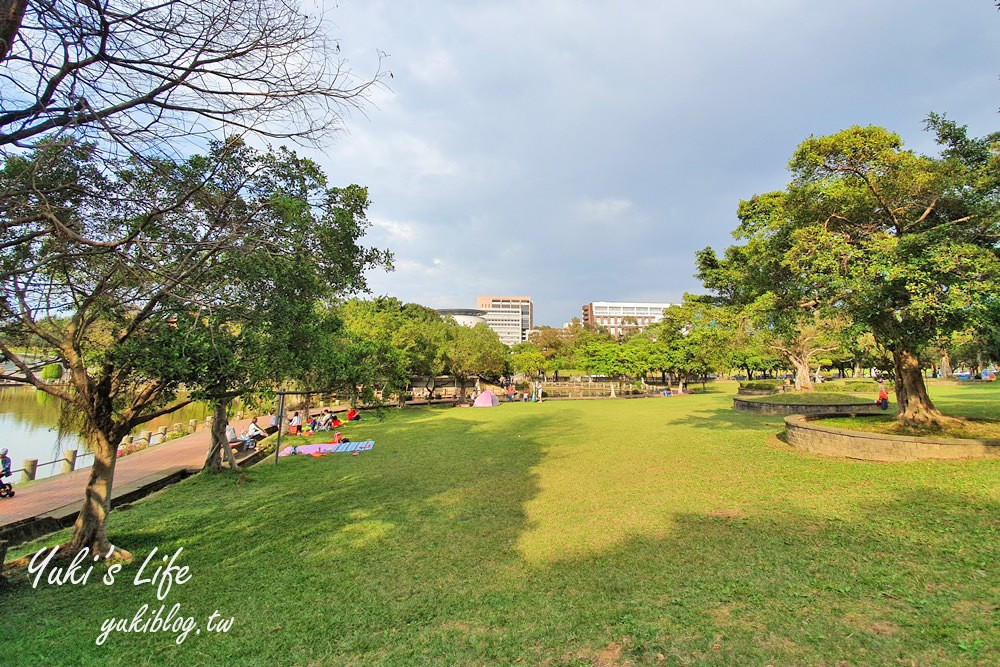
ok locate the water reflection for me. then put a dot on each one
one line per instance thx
(29, 427)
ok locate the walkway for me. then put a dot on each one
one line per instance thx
(60, 497)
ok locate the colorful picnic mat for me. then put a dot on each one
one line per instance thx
(326, 447)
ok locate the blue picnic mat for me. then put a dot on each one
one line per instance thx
(358, 446)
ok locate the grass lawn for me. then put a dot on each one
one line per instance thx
(660, 531)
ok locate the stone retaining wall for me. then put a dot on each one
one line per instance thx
(765, 408)
(758, 392)
(805, 433)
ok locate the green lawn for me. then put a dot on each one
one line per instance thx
(669, 531)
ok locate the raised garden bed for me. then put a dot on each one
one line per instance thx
(808, 433)
(787, 407)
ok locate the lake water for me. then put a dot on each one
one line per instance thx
(29, 429)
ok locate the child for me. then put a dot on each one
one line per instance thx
(883, 396)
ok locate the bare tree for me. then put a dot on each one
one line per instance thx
(146, 73)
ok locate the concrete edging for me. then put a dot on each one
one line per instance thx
(765, 408)
(802, 433)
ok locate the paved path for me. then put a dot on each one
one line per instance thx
(62, 494)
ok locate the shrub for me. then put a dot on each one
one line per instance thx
(52, 372)
(852, 386)
(760, 384)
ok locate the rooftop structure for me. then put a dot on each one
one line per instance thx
(620, 316)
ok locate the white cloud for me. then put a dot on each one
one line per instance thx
(607, 211)
(574, 150)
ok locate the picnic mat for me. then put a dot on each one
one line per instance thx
(326, 447)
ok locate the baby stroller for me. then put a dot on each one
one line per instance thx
(6, 489)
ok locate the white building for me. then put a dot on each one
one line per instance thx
(509, 316)
(619, 316)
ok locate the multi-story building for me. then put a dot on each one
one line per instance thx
(619, 316)
(509, 316)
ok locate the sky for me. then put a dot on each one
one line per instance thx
(584, 151)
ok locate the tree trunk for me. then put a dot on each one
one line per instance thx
(11, 15)
(946, 370)
(801, 365)
(915, 406)
(90, 528)
(220, 443)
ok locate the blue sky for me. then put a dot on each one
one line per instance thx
(583, 151)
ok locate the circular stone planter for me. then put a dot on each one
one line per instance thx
(758, 392)
(765, 408)
(806, 432)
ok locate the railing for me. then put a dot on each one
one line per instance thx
(69, 460)
(70, 457)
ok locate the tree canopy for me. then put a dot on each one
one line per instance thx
(872, 234)
(141, 276)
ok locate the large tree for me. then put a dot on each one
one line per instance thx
(149, 259)
(790, 316)
(473, 352)
(900, 243)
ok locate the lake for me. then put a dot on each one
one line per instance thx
(29, 428)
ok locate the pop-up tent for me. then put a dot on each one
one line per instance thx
(487, 399)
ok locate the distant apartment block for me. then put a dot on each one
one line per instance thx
(619, 316)
(509, 316)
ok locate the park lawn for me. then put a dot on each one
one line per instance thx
(652, 531)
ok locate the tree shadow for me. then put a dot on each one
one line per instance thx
(411, 554)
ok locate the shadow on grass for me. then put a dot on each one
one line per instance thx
(911, 580)
(722, 418)
(408, 555)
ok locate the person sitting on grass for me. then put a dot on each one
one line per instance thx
(353, 415)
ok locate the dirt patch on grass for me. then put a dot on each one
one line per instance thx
(780, 644)
(968, 610)
(861, 622)
(727, 514)
(611, 656)
(729, 616)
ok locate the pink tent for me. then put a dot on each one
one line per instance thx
(487, 399)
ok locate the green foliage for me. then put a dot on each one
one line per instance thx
(52, 372)
(852, 386)
(760, 384)
(474, 351)
(527, 359)
(871, 237)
